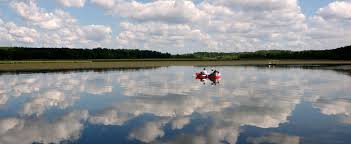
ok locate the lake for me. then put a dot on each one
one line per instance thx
(255, 105)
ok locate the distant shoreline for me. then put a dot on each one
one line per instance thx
(104, 54)
(52, 65)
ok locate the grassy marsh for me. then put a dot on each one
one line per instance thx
(8, 66)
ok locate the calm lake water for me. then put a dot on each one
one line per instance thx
(253, 105)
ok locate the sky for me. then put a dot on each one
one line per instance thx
(177, 26)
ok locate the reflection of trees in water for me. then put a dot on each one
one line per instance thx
(126, 69)
(343, 69)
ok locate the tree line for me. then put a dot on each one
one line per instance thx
(22, 53)
(343, 53)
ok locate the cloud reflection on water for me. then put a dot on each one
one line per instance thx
(247, 96)
(45, 91)
(264, 103)
(27, 131)
(275, 138)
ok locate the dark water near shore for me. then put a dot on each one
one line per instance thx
(255, 105)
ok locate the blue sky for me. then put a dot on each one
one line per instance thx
(309, 7)
(177, 26)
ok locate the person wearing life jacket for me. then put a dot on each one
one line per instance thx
(214, 72)
(204, 72)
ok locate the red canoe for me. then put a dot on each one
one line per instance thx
(201, 76)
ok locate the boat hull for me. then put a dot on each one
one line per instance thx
(200, 76)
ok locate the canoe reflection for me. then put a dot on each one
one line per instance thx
(213, 81)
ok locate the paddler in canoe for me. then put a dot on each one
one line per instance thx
(204, 74)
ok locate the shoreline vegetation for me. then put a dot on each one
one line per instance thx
(18, 66)
(13, 59)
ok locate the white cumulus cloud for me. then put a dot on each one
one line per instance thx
(72, 3)
(10, 32)
(59, 28)
(184, 26)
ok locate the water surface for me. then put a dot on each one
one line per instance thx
(253, 105)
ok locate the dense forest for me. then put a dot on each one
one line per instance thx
(19, 53)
